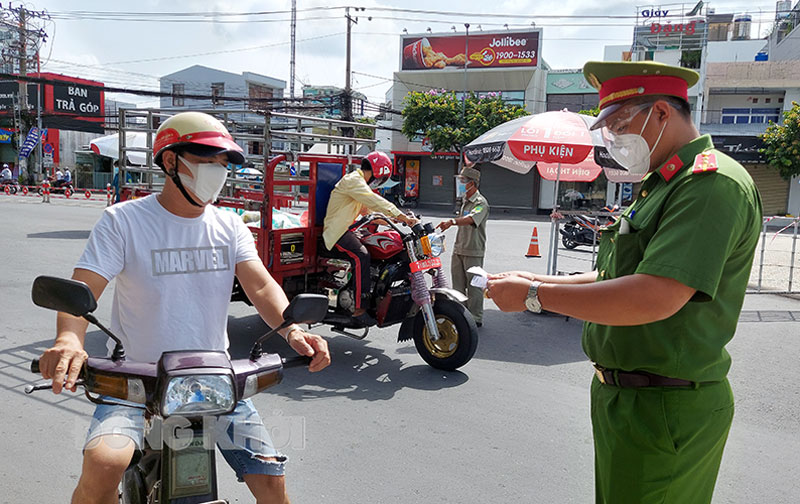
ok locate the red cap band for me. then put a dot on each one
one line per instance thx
(629, 86)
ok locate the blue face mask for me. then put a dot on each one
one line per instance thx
(461, 188)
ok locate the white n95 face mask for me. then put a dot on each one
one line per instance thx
(631, 150)
(206, 181)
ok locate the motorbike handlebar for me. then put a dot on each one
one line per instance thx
(35, 366)
(292, 362)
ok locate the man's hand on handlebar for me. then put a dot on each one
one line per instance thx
(63, 362)
(310, 345)
(405, 219)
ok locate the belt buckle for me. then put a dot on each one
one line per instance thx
(598, 371)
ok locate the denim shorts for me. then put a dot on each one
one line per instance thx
(240, 435)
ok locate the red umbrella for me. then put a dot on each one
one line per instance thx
(550, 137)
(559, 143)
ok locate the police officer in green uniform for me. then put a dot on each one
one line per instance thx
(666, 296)
(470, 246)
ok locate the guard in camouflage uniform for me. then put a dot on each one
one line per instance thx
(666, 296)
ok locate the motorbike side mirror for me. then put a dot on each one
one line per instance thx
(306, 309)
(303, 309)
(61, 294)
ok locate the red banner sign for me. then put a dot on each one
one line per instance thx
(426, 264)
(486, 50)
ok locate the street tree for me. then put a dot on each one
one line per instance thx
(448, 122)
(782, 143)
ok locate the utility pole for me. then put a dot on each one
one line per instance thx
(292, 61)
(30, 37)
(347, 105)
(23, 86)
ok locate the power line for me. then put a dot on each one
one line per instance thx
(224, 51)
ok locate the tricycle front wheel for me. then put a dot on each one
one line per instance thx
(458, 336)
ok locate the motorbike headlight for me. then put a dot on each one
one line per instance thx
(437, 245)
(198, 395)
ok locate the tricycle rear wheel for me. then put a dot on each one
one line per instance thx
(458, 336)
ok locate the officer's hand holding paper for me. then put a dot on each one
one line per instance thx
(507, 290)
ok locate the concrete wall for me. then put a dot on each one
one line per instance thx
(787, 49)
(794, 186)
(69, 142)
(614, 52)
(753, 74)
(734, 50)
(716, 102)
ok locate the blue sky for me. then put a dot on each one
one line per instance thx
(112, 51)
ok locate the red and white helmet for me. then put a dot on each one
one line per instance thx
(195, 128)
(380, 164)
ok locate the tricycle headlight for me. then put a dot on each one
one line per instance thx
(198, 395)
(437, 244)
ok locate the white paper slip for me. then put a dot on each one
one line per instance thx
(480, 278)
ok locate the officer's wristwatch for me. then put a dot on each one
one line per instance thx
(532, 301)
(453, 222)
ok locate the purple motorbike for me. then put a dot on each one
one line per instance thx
(182, 393)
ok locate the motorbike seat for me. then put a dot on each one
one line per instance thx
(328, 175)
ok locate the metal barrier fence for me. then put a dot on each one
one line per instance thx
(774, 263)
(596, 219)
(772, 272)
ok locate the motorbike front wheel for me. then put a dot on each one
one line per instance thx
(132, 488)
(567, 238)
(458, 336)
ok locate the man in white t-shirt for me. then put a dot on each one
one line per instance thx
(174, 257)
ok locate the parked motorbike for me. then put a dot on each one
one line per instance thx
(404, 262)
(9, 186)
(583, 230)
(183, 391)
(58, 187)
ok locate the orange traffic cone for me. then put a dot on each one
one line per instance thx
(533, 249)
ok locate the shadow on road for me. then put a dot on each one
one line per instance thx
(62, 235)
(528, 338)
(358, 371)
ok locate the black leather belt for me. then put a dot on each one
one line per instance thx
(627, 379)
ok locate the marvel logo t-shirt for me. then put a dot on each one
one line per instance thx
(173, 275)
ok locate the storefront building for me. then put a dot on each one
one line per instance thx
(72, 110)
(508, 62)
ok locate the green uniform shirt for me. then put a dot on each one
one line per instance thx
(700, 229)
(471, 240)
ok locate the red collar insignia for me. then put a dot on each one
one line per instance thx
(671, 167)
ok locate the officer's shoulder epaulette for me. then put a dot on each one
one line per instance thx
(705, 162)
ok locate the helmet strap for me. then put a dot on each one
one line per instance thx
(177, 180)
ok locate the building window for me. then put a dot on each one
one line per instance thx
(259, 96)
(749, 115)
(509, 97)
(767, 100)
(178, 89)
(755, 100)
(780, 100)
(217, 92)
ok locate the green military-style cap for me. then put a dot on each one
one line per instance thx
(619, 81)
(471, 173)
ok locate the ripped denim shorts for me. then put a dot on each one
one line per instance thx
(240, 435)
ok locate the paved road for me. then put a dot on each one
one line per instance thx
(381, 426)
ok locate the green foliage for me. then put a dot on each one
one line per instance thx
(367, 133)
(594, 112)
(450, 123)
(782, 143)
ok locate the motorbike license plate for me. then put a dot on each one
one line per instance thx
(426, 264)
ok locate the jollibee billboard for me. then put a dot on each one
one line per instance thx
(507, 49)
